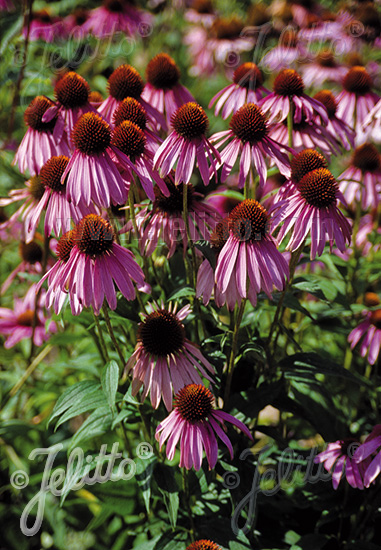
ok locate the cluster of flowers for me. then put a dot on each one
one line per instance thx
(86, 155)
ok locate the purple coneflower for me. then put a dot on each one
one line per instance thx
(203, 544)
(369, 330)
(186, 144)
(129, 146)
(356, 100)
(95, 263)
(324, 67)
(339, 129)
(196, 424)
(246, 88)
(364, 454)
(289, 94)
(361, 181)
(250, 255)
(163, 90)
(222, 42)
(59, 212)
(249, 130)
(288, 52)
(72, 93)
(39, 144)
(164, 359)
(45, 27)
(338, 458)
(125, 82)
(164, 219)
(17, 323)
(206, 286)
(130, 109)
(91, 174)
(311, 206)
(201, 12)
(117, 16)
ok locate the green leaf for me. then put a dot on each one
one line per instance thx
(87, 403)
(98, 423)
(73, 395)
(144, 472)
(167, 485)
(110, 379)
(207, 251)
(182, 293)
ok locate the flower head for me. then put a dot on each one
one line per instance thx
(203, 544)
(247, 87)
(164, 360)
(39, 143)
(249, 139)
(186, 144)
(249, 254)
(196, 424)
(90, 261)
(17, 323)
(311, 206)
(338, 458)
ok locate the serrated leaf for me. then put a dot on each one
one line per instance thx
(110, 380)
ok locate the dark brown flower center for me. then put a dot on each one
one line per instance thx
(174, 203)
(129, 139)
(248, 221)
(288, 83)
(326, 59)
(227, 29)
(327, 98)
(202, 6)
(130, 109)
(357, 81)
(52, 171)
(93, 235)
(162, 72)
(114, 6)
(124, 82)
(349, 446)
(289, 39)
(25, 319)
(36, 187)
(91, 134)
(31, 252)
(375, 318)
(190, 121)
(72, 90)
(65, 245)
(257, 15)
(80, 16)
(249, 123)
(194, 402)
(161, 333)
(203, 545)
(248, 76)
(366, 158)
(42, 16)
(353, 59)
(306, 161)
(318, 188)
(35, 111)
(371, 299)
(95, 97)
(220, 235)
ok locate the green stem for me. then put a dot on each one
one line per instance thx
(184, 472)
(101, 344)
(112, 334)
(233, 352)
(290, 125)
(113, 224)
(279, 310)
(189, 238)
(37, 297)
